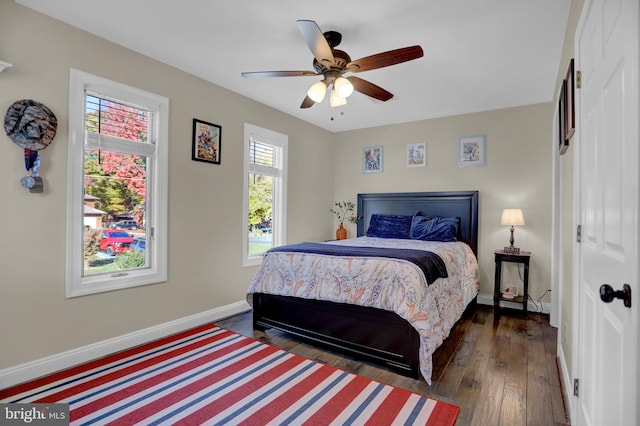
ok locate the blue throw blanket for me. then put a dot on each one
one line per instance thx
(430, 263)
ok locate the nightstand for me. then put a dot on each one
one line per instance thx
(522, 257)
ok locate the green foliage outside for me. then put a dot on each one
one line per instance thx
(260, 199)
(131, 259)
(91, 242)
(114, 193)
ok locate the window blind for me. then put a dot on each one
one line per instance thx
(262, 154)
(107, 117)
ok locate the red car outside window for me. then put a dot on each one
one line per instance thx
(115, 241)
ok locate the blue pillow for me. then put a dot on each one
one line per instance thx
(389, 226)
(434, 228)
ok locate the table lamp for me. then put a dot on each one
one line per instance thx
(512, 217)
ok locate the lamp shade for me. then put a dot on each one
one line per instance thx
(343, 87)
(336, 100)
(512, 217)
(317, 91)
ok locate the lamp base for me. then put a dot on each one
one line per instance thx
(512, 250)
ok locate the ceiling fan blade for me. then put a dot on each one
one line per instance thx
(385, 59)
(278, 74)
(316, 41)
(307, 103)
(367, 88)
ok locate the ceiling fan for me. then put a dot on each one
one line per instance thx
(332, 64)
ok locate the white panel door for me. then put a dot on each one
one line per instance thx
(608, 159)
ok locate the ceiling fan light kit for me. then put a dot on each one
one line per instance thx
(317, 91)
(343, 87)
(332, 64)
(336, 100)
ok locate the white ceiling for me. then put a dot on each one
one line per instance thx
(479, 55)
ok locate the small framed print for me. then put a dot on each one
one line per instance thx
(207, 141)
(471, 151)
(372, 159)
(563, 141)
(569, 104)
(417, 155)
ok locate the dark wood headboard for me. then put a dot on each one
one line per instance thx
(462, 204)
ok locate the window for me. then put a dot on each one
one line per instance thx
(117, 186)
(265, 192)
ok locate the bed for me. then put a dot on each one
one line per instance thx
(394, 336)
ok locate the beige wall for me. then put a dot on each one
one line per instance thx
(517, 174)
(205, 201)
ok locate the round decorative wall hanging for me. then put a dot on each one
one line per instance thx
(32, 126)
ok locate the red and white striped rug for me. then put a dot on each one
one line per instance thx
(209, 375)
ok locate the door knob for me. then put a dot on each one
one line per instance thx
(607, 294)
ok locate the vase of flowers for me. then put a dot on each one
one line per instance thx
(343, 210)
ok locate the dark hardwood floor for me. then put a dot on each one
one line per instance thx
(498, 372)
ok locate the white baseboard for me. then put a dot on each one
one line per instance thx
(40, 367)
(485, 299)
(13, 375)
(569, 398)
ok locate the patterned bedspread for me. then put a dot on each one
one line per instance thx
(390, 284)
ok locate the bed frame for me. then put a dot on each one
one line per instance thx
(371, 334)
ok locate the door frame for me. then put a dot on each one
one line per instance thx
(556, 228)
(559, 262)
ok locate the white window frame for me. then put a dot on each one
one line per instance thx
(77, 284)
(279, 214)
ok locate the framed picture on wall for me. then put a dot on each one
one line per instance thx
(206, 142)
(563, 142)
(417, 155)
(471, 151)
(372, 159)
(569, 103)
